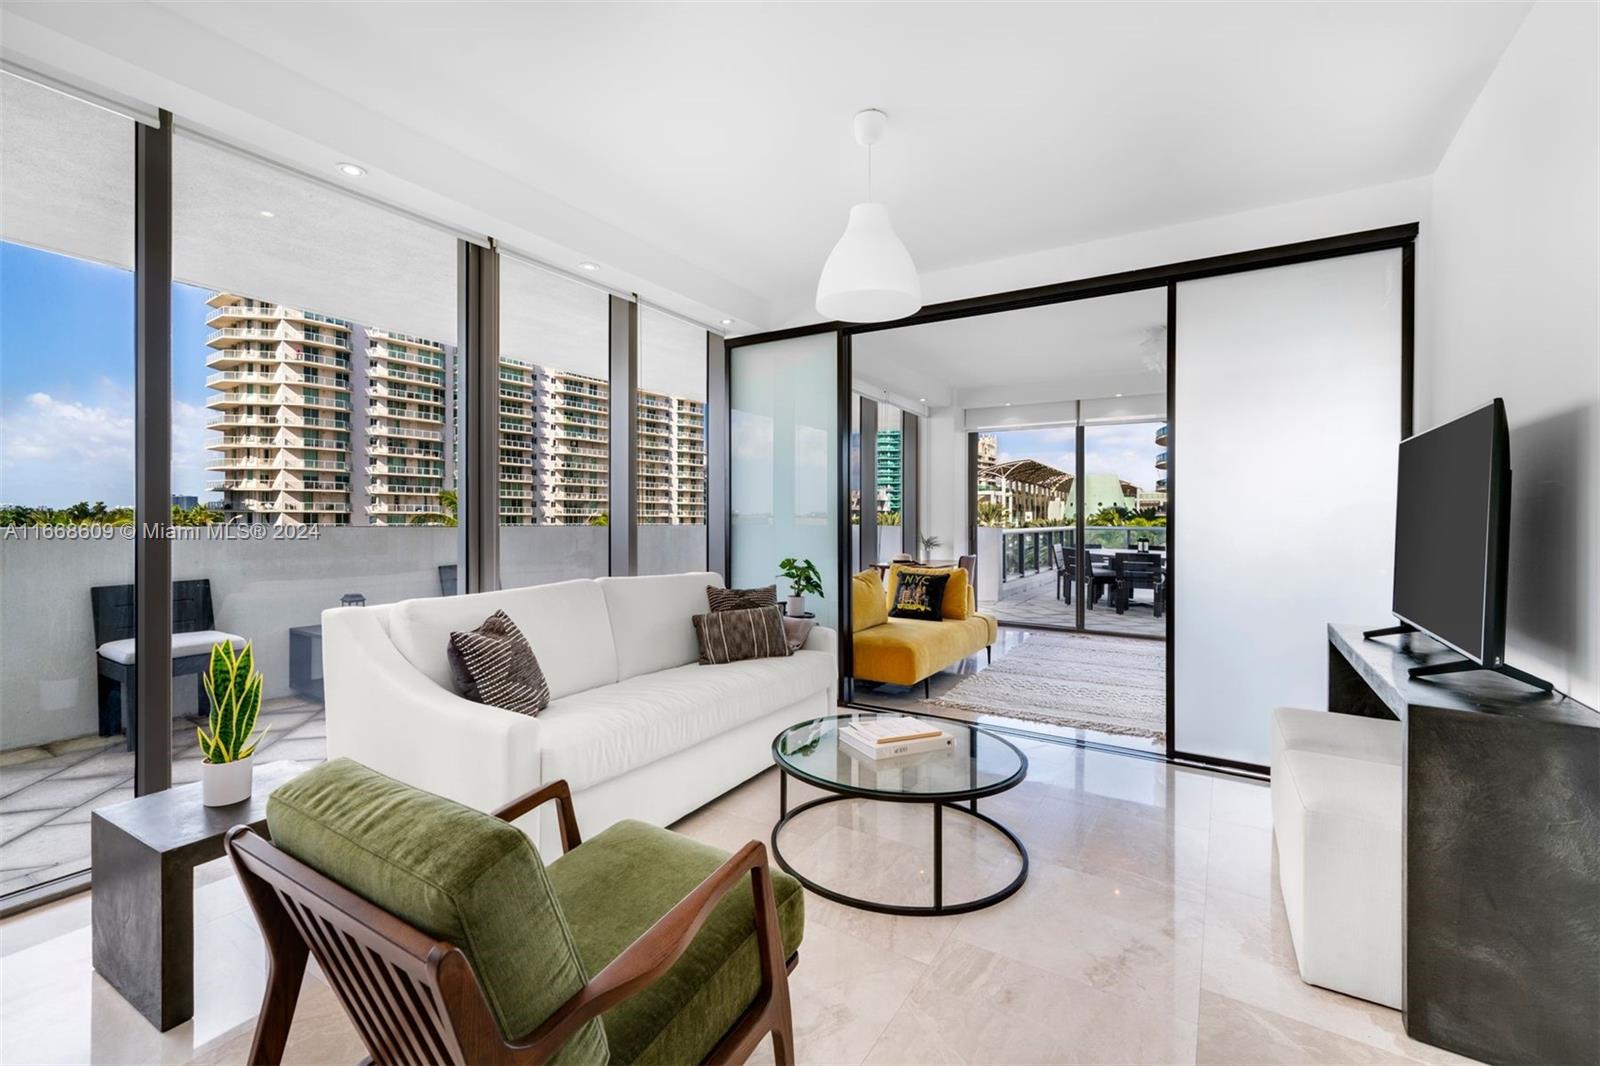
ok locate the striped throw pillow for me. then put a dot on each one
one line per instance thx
(733, 636)
(740, 599)
(494, 665)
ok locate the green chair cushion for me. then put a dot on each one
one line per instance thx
(616, 886)
(455, 873)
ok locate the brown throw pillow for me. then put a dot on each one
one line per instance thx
(733, 636)
(740, 599)
(494, 665)
(919, 594)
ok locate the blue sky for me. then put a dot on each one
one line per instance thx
(1129, 452)
(66, 381)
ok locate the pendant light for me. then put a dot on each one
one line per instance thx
(869, 275)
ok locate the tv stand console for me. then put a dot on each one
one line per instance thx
(1502, 851)
(1457, 666)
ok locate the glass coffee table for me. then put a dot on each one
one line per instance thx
(979, 764)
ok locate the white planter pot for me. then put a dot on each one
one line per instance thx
(797, 606)
(225, 783)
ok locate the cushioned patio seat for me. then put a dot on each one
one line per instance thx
(616, 886)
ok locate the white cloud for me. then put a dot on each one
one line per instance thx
(55, 452)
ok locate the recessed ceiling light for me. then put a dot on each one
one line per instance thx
(1008, 403)
(922, 399)
(351, 170)
(590, 267)
(1119, 395)
(268, 214)
(727, 322)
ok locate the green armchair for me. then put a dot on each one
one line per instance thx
(447, 939)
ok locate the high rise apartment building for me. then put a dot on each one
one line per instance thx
(324, 421)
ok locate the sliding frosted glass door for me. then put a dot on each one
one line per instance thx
(1286, 417)
(784, 465)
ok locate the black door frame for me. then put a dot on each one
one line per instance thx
(1169, 276)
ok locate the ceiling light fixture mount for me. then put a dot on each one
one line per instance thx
(352, 170)
(727, 322)
(267, 214)
(589, 267)
(869, 275)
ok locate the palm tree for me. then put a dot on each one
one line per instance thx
(449, 508)
(599, 518)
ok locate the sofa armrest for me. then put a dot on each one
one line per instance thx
(385, 713)
(821, 638)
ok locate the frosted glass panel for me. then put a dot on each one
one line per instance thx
(1286, 420)
(784, 485)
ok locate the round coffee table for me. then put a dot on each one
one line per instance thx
(979, 764)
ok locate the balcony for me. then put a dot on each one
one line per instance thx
(1161, 435)
(1161, 459)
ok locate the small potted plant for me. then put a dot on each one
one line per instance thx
(803, 578)
(928, 543)
(234, 688)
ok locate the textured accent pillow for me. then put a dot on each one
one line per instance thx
(493, 664)
(740, 599)
(733, 636)
(919, 594)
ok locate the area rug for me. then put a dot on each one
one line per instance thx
(1110, 684)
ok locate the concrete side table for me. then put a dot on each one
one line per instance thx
(144, 853)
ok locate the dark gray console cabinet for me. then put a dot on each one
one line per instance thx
(1502, 852)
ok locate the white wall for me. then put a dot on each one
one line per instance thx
(1508, 270)
(942, 473)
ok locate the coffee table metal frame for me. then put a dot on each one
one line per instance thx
(939, 801)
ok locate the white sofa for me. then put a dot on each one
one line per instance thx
(1337, 807)
(635, 725)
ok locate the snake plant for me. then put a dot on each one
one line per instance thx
(234, 688)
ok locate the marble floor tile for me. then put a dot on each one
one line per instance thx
(1113, 935)
(1231, 1032)
(976, 1006)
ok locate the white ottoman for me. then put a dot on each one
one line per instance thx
(1336, 815)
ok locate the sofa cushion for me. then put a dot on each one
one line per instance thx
(616, 885)
(731, 636)
(593, 736)
(455, 873)
(903, 651)
(868, 605)
(565, 625)
(957, 602)
(650, 620)
(740, 599)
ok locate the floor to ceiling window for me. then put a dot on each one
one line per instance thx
(315, 401)
(555, 403)
(66, 474)
(670, 444)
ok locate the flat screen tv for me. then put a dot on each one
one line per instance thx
(1451, 528)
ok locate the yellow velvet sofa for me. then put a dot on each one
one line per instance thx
(904, 651)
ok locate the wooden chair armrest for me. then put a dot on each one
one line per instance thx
(663, 944)
(555, 790)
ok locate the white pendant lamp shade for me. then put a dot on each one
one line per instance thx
(869, 275)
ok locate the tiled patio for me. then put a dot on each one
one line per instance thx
(48, 792)
(1032, 601)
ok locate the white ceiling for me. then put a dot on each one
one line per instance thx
(1069, 351)
(702, 152)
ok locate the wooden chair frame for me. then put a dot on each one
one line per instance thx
(414, 998)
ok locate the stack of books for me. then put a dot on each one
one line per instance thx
(880, 738)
